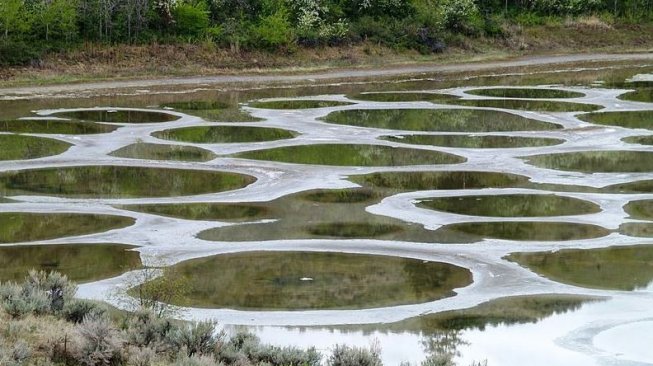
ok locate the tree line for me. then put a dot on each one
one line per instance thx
(279, 25)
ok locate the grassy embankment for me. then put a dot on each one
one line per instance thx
(94, 61)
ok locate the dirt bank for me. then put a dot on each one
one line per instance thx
(104, 87)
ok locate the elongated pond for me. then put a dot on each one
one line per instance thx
(473, 216)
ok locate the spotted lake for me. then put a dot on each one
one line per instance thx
(503, 216)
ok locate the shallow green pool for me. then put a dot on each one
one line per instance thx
(352, 155)
(80, 262)
(30, 226)
(147, 151)
(18, 147)
(314, 280)
(224, 134)
(119, 182)
(511, 205)
(441, 120)
(618, 268)
(474, 141)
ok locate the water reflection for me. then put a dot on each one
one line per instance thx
(444, 120)
(352, 155)
(421, 181)
(526, 93)
(528, 105)
(147, 151)
(640, 95)
(596, 161)
(312, 280)
(297, 104)
(206, 211)
(445, 335)
(637, 229)
(119, 182)
(403, 97)
(619, 268)
(212, 110)
(349, 195)
(54, 127)
(474, 141)
(641, 209)
(640, 186)
(18, 147)
(522, 231)
(627, 119)
(196, 105)
(80, 262)
(23, 227)
(337, 214)
(511, 205)
(224, 134)
(117, 116)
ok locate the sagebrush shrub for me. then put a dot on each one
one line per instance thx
(344, 355)
(75, 311)
(146, 329)
(19, 301)
(197, 339)
(141, 356)
(195, 360)
(101, 342)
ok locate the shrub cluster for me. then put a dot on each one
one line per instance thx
(42, 324)
(30, 27)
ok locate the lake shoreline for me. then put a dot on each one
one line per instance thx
(246, 78)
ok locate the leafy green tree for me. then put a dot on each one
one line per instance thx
(191, 20)
(96, 18)
(137, 14)
(13, 17)
(461, 16)
(56, 18)
(274, 31)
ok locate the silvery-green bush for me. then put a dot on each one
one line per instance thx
(344, 355)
